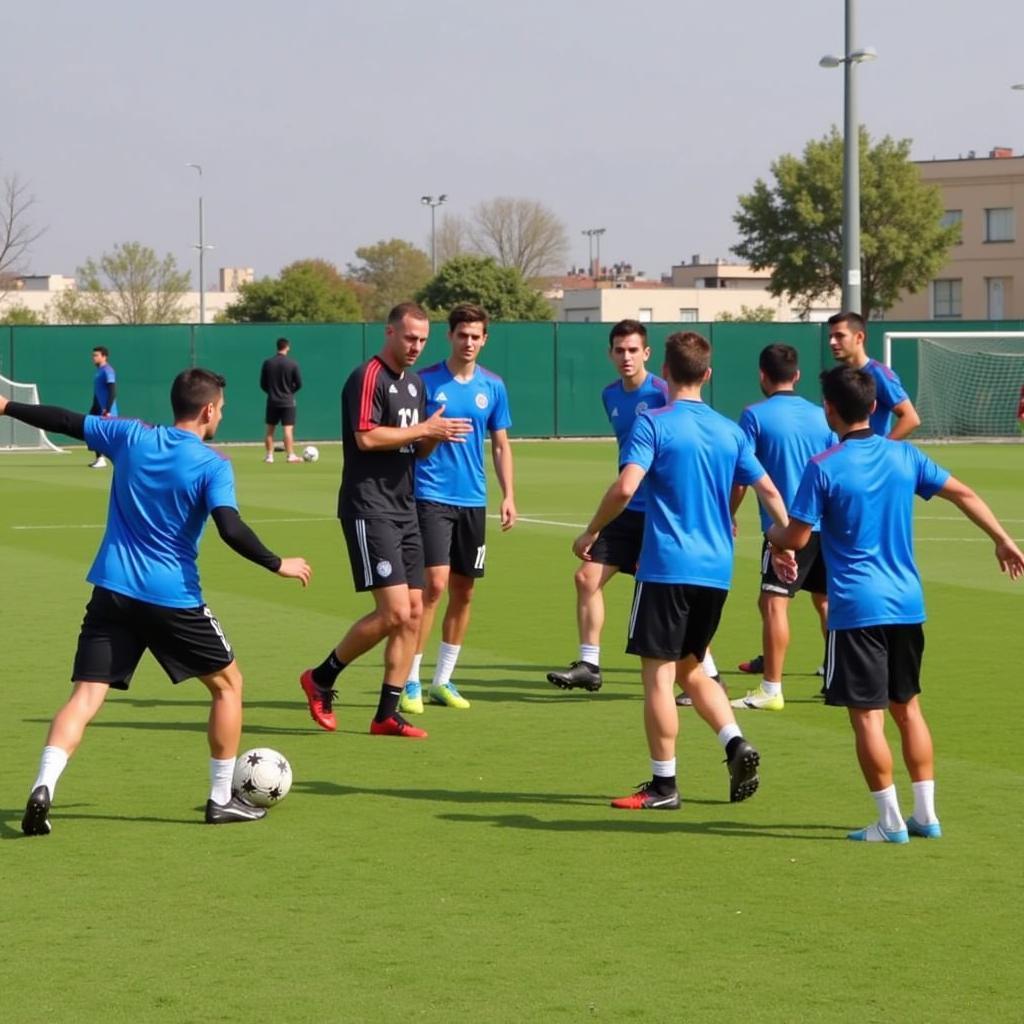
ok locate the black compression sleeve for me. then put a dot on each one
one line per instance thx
(111, 394)
(241, 539)
(49, 417)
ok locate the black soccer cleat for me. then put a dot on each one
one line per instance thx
(743, 780)
(36, 821)
(755, 666)
(580, 675)
(236, 809)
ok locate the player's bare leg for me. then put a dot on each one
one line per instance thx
(919, 757)
(875, 759)
(661, 719)
(404, 620)
(289, 442)
(590, 579)
(774, 609)
(69, 724)
(268, 443)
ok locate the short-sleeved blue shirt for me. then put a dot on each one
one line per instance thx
(453, 474)
(622, 408)
(166, 483)
(692, 456)
(890, 392)
(862, 491)
(785, 430)
(101, 382)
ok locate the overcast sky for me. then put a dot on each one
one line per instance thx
(320, 124)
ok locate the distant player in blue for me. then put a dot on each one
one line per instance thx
(862, 493)
(104, 394)
(846, 336)
(785, 430)
(618, 548)
(451, 498)
(146, 593)
(687, 456)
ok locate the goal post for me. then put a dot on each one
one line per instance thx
(16, 436)
(969, 383)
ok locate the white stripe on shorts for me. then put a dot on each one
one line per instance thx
(636, 608)
(364, 552)
(830, 657)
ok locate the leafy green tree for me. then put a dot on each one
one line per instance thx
(21, 316)
(390, 272)
(71, 307)
(748, 315)
(502, 291)
(795, 225)
(306, 292)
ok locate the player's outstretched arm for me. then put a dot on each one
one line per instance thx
(1008, 555)
(242, 540)
(616, 498)
(46, 417)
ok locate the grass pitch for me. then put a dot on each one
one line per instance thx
(481, 875)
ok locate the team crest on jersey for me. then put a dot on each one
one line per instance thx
(412, 389)
(392, 390)
(481, 401)
(440, 397)
(641, 407)
(384, 569)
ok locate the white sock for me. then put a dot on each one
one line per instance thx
(414, 672)
(447, 656)
(771, 688)
(708, 664)
(221, 773)
(591, 654)
(924, 802)
(52, 762)
(664, 769)
(888, 809)
(728, 732)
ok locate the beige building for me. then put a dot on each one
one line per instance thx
(984, 276)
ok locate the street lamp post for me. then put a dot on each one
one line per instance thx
(433, 204)
(592, 234)
(851, 160)
(202, 247)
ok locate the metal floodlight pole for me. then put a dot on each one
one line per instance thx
(433, 204)
(598, 232)
(201, 247)
(593, 233)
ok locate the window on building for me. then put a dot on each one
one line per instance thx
(946, 298)
(999, 224)
(687, 316)
(645, 314)
(954, 217)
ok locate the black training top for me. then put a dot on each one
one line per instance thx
(280, 378)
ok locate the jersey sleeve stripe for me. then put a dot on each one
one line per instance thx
(366, 395)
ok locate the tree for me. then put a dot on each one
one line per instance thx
(391, 272)
(21, 316)
(451, 239)
(795, 226)
(129, 285)
(479, 280)
(520, 233)
(16, 232)
(309, 291)
(748, 315)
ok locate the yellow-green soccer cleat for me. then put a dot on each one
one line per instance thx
(760, 700)
(447, 695)
(411, 701)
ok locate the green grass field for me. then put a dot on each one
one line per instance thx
(481, 876)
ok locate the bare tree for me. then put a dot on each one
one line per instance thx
(520, 233)
(452, 238)
(16, 231)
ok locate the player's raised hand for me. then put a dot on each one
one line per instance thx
(1010, 559)
(295, 569)
(441, 428)
(509, 515)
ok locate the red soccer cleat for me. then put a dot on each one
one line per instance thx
(320, 702)
(396, 725)
(647, 798)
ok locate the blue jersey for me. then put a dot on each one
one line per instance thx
(101, 382)
(166, 483)
(622, 408)
(785, 430)
(890, 392)
(693, 456)
(454, 473)
(863, 492)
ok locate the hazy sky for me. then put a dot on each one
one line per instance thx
(320, 124)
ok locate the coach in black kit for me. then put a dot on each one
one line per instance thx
(280, 379)
(383, 432)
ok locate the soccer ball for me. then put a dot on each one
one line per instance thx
(310, 453)
(262, 777)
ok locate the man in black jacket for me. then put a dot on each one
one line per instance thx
(280, 379)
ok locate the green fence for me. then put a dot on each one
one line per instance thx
(554, 371)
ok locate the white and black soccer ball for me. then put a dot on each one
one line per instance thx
(262, 777)
(310, 453)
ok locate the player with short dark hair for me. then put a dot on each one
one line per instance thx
(146, 592)
(846, 338)
(785, 430)
(451, 499)
(688, 456)
(104, 394)
(383, 431)
(281, 379)
(861, 491)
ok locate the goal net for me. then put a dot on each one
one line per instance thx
(969, 384)
(17, 436)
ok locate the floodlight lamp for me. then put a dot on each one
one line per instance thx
(865, 53)
(830, 60)
(1019, 86)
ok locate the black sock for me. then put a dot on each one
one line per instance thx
(387, 706)
(327, 672)
(664, 784)
(730, 747)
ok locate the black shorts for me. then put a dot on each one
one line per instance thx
(810, 571)
(283, 414)
(671, 621)
(618, 544)
(873, 665)
(384, 552)
(117, 630)
(454, 535)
